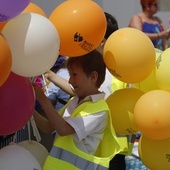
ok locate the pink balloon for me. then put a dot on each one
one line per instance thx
(17, 102)
(11, 8)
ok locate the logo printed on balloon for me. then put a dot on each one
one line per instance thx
(113, 72)
(158, 61)
(168, 157)
(130, 131)
(3, 18)
(78, 37)
(85, 45)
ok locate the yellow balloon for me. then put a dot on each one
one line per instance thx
(162, 72)
(152, 114)
(121, 104)
(149, 83)
(129, 59)
(117, 84)
(154, 153)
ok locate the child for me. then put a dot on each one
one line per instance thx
(84, 131)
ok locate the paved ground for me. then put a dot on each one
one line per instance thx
(133, 162)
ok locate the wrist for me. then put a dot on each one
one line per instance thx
(158, 36)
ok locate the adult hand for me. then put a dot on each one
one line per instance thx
(164, 34)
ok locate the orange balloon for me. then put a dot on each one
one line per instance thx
(5, 60)
(121, 104)
(154, 153)
(81, 26)
(34, 9)
(129, 59)
(2, 24)
(152, 114)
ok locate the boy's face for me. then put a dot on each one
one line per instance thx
(83, 85)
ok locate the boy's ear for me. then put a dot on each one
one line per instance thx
(94, 75)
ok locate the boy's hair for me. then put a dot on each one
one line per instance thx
(112, 25)
(90, 62)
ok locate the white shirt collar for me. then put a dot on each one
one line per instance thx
(93, 98)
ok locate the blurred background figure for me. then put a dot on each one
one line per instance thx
(150, 24)
(57, 96)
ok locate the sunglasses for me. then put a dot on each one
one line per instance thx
(153, 4)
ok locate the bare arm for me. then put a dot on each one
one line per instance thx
(60, 82)
(136, 22)
(55, 120)
(43, 123)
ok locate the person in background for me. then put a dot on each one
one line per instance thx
(83, 119)
(150, 24)
(57, 96)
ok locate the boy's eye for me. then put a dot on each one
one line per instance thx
(73, 74)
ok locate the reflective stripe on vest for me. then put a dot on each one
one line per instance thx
(75, 160)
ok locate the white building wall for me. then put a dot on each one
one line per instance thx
(121, 9)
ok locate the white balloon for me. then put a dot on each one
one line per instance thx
(36, 149)
(14, 157)
(34, 43)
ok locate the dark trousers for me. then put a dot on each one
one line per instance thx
(118, 163)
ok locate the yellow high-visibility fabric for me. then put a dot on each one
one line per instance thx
(109, 146)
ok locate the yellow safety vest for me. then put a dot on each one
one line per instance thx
(65, 155)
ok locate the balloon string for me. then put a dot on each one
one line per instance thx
(35, 130)
(29, 131)
(45, 84)
(32, 79)
(14, 138)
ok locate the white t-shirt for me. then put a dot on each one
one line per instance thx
(111, 84)
(89, 129)
(106, 87)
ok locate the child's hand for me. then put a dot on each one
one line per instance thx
(49, 74)
(38, 92)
